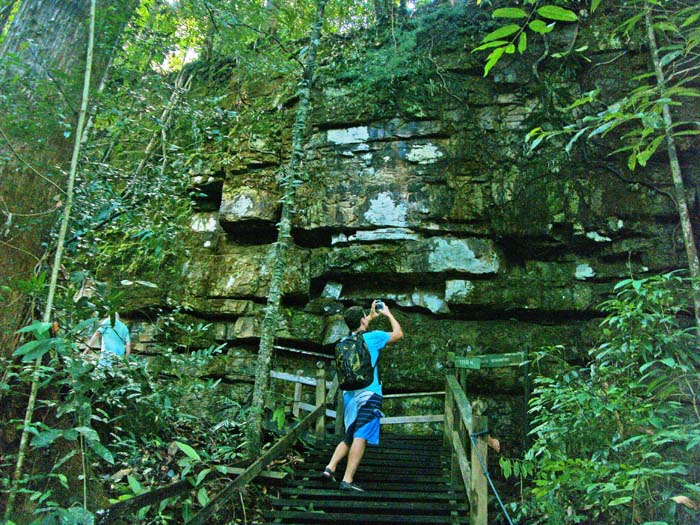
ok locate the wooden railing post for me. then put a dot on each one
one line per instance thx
(450, 427)
(321, 397)
(340, 415)
(478, 509)
(297, 396)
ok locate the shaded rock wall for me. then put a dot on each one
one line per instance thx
(418, 190)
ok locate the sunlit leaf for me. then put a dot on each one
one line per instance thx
(553, 12)
(501, 32)
(522, 42)
(509, 12)
(538, 26)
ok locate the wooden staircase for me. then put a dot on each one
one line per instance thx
(406, 480)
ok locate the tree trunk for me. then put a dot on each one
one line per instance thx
(41, 64)
(284, 239)
(678, 186)
(53, 283)
(5, 13)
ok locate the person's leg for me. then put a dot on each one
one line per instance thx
(357, 450)
(340, 452)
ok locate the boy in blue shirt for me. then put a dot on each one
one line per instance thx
(114, 340)
(362, 407)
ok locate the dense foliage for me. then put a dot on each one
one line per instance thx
(615, 441)
(618, 440)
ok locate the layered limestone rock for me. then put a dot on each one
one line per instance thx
(419, 190)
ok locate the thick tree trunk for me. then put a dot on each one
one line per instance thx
(284, 240)
(41, 62)
(679, 191)
(53, 283)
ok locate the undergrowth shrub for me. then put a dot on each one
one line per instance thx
(618, 441)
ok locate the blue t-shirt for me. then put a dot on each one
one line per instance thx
(376, 341)
(114, 340)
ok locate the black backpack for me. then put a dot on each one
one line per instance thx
(353, 363)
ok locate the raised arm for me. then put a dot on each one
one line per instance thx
(396, 331)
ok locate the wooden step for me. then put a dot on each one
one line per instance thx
(335, 493)
(382, 506)
(307, 517)
(406, 480)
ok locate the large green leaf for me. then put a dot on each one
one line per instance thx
(188, 450)
(538, 26)
(34, 349)
(509, 12)
(554, 12)
(501, 32)
(45, 438)
(493, 59)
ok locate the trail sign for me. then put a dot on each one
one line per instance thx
(489, 360)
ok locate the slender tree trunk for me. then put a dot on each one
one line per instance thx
(5, 13)
(676, 174)
(284, 239)
(166, 118)
(53, 283)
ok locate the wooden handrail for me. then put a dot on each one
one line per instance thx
(279, 448)
(473, 476)
(463, 405)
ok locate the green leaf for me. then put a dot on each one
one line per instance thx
(501, 32)
(201, 476)
(34, 349)
(202, 497)
(489, 45)
(493, 59)
(594, 5)
(135, 485)
(538, 26)
(620, 501)
(510, 49)
(44, 439)
(37, 328)
(666, 26)
(188, 450)
(691, 20)
(574, 139)
(509, 12)
(557, 13)
(644, 156)
(522, 42)
(101, 451)
(88, 433)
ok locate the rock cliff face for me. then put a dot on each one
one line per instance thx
(419, 190)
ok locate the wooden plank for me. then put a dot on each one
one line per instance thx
(476, 362)
(270, 474)
(321, 398)
(297, 396)
(339, 415)
(279, 448)
(123, 508)
(462, 461)
(310, 408)
(478, 493)
(399, 495)
(434, 508)
(353, 517)
(400, 420)
(460, 399)
(394, 420)
(416, 394)
(284, 376)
